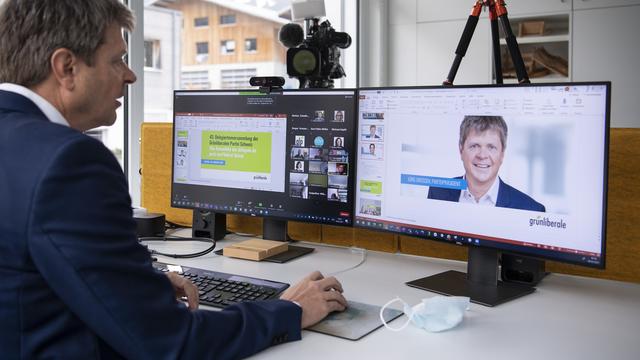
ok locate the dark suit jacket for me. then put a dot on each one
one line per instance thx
(508, 197)
(74, 282)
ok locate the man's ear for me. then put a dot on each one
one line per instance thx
(64, 67)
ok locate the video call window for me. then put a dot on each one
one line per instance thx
(234, 150)
(300, 153)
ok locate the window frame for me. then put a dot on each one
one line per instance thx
(227, 16)
(224, 49)
(156, 54)
(255, 45)
(197, 26)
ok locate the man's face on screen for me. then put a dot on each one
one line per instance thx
(482, 156)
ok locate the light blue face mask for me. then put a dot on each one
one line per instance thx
(434, 314)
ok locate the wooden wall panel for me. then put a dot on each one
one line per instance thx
(623, 216)
(155, 170)
(246, 26)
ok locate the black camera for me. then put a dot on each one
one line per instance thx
(314, 60)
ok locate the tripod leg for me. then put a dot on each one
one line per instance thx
(501, 11)
(497, 57)
(514, 50)
(463, 45)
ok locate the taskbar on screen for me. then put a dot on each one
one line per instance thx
(547, 251)
(265, 210)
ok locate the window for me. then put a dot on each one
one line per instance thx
(195, 80)
(202, 48)
(202, 52)
(186, 65)
(201, 22)
(236, 78)
(251, 45)
(227, 47)
(228, 19)
(152, 54)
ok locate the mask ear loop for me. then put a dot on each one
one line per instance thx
(406, 306)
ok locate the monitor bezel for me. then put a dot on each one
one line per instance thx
(351, 184)
(530, 254)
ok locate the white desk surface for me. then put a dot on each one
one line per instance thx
(567, 317)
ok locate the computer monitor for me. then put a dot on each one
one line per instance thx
(285, 155)
(502, 169)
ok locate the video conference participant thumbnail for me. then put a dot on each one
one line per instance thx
(482, 145)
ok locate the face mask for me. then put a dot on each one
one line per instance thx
(434, 314)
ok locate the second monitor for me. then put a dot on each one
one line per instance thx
(280, 156)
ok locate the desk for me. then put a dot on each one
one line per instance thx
(568, 317)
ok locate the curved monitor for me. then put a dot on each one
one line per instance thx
(284, 156)
(519, 169)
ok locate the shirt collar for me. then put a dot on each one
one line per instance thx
(47, 109)
(491, 195)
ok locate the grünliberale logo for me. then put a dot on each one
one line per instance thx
(546, 222)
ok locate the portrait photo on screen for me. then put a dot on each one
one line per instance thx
(332, 194)
(318, 116)
(318, 154)
(495, 160)
(338, 116)
(299, 153)
(338, 168)
(298, 166)
(338, 141)
(371, 132)
(372, 150)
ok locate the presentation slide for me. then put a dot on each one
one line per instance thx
(236, 151)
(506, 165)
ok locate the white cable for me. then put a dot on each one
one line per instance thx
(362, 260)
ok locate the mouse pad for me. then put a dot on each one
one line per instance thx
(355, 322)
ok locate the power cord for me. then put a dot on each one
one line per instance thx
(362, 252)
(174, 238)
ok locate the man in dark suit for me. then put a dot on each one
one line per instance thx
(74, 281)
(482, 144)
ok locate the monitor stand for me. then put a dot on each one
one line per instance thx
(277, 230)
(480, 283)
(209, 224)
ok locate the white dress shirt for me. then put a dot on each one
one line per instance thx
(47, 109)
(488, 199)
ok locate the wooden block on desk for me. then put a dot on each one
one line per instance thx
(255, 249)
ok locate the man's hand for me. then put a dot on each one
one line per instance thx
(184, 288)
(317, 296)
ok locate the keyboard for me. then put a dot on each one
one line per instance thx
(221, 290)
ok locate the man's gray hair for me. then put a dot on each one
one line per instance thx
(482, 123)
(31, 30)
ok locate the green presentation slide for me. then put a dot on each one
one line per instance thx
(236, 151)
(373, 187)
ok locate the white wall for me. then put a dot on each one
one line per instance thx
(163, 25)
(422, 36)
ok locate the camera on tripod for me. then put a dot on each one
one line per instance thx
(314, 59)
